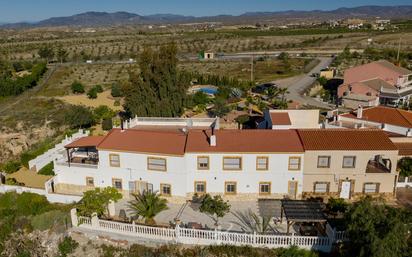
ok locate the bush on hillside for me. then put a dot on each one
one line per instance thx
(92, 93)
(99, 88)
(77, 88)
(116, 91)
(11, 167)
(107, 124)
(79, 117)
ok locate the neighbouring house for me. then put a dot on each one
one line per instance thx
(396, 123)
(375, 83)
(290, 119)
(347, 163)
(180, 162)
(327, 73)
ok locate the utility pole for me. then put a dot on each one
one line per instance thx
(252, 70)
(399, 51)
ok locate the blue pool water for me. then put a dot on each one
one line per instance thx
(211, 91)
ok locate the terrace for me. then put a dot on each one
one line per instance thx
(379, 164)
(82, 153)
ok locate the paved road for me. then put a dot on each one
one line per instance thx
(297, 85)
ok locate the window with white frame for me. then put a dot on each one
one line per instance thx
(158, 164)
(262, 163)
(321, 187)
(349, 162)
(371, 188)
(294, 163)
(232, 163)
(202, 162)
(323, 161)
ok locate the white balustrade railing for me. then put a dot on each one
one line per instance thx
(208, 237)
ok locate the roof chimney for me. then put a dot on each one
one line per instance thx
(212, 140)
(360, 112)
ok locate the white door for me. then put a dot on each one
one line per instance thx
(345, 190)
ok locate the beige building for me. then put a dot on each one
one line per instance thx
(348, 163)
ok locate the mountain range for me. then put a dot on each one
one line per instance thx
(125, 18)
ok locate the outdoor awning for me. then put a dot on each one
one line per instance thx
(303, 211)
(90, 141)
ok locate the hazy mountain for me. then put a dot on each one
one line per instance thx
(124, 18)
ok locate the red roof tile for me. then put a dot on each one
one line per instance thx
(405, 149)
(345, 139)
(381, 114)
(143, 141)
(245, 141)
(86, 142)
(280, 118)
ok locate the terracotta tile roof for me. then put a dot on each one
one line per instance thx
(86, 142)
(379, 69)
(382, 114)
(345, 139)
(405, 149)
(280, 118)
(143, 141)
(245, 141)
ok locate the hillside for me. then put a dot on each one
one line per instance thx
(125, 18)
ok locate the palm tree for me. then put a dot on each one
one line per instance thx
(147, 205)
(252, 223)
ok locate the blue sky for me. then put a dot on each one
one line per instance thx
(33, 10)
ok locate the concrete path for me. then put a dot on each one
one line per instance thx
(190, 213)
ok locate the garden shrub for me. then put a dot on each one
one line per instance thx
(107, 124)
(116, 91)
(67, 246)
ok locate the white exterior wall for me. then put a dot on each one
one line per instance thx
(248, 178)
(386, 127)
(182, 172)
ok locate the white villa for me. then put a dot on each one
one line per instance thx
(179, 161)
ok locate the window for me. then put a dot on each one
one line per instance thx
(114, 160)
(230, 188)
(371, 188)
(89, 182)
(324, 162)
(349, 162)
(158, 164)
(200, 187)
(232, 163)
(202, 162)
(264, 187)
(294, 163)
(165, 189)
(321, 187)
(262, 163)
(117, 183)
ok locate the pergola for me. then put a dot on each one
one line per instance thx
(87, 143)
(299, 211)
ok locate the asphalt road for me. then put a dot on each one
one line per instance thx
(297, 85)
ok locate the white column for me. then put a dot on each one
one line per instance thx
(73, 216)
(111, 208)
(95, 221)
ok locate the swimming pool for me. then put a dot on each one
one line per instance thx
(208, 90)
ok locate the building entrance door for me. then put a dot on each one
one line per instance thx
(345, 189)
(292, 189)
